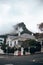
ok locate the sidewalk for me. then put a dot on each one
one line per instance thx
(11, 54)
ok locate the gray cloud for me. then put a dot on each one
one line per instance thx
(13, 11)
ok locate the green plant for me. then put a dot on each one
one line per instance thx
(28, 43)
(3, 47)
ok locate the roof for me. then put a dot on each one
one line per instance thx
(28, 36)
(23, 36)
(39, 35)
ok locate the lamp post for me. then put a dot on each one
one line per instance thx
(6, 50)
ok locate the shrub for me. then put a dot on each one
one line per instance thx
(3, 47)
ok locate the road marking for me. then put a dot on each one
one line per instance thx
(8, 64)
(33, 60)
(1, 57)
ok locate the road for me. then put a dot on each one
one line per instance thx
(36, 59)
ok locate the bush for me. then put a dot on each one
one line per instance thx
(38, 47)
(24, 52)
(32, 50)
(19, 48)
(26, 49)
(28, 43)
(3, 47)
(11, 50)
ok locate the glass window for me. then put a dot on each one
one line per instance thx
(15, 43)
(10, 43)
(7, 42)
(42, 42)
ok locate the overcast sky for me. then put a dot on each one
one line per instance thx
(14, 11)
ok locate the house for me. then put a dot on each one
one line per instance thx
(15, 38)
(22, 34)
(2, 39)
(39, 37)
(17, 41)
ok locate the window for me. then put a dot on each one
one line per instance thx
(15, 43)
(42, 42)
(7, 42)
(10, 43)
(19, 42)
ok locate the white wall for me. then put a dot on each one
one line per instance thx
(10, 41)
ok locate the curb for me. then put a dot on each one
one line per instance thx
(21, 55)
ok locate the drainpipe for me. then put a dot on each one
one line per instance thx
(41, 43)
(18, 32)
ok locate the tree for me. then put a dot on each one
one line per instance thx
(41, 26)
(3, 47)
(28, 43)
(25, 30)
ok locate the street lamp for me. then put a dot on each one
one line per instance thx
(6, 49)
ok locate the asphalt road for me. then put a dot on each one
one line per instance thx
(36, 59)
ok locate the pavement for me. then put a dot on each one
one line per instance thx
(2, 53)
(11, 54)
(35, 59)
(42, 49)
